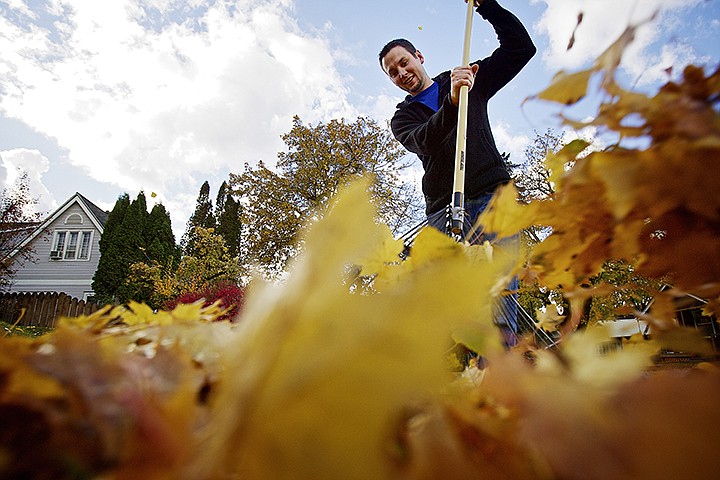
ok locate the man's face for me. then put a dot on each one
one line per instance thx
(406, 70)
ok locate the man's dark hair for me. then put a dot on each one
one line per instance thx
(398, 42)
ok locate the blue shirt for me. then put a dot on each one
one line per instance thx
(428, 97)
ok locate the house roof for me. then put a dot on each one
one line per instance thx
(14, 233)
(96, 215)
(100, 215)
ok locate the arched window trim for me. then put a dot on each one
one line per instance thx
(72, 216)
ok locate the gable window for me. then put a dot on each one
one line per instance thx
(71, 245)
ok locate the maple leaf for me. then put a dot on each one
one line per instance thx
(382, 263)
(549, 319)
(566, 88)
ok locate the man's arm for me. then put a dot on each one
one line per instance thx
(421, 136)
(515, 50)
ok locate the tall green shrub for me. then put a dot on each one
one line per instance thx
(132, 235)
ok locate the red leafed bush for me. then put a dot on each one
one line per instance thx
(231, 297)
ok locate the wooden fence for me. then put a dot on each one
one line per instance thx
(41, 309)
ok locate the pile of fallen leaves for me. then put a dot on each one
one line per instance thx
(655, 206)
(321, 378)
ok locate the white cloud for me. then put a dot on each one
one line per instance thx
(382, 106)
(507, 142)
(158, 94)
(21, 7)
(16, 162)
(590, 134)
(603, 22)
(654, 68)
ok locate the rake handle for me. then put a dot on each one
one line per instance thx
(458, 198)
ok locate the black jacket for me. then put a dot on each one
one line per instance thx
(432, 135)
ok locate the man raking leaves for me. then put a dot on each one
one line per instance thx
(426, 123)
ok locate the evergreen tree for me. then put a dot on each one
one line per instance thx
(202, 217)
(159, 237)
(130, 237)
(109, 272)
(222, 194)
(229, 225)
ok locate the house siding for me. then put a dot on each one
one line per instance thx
(73, 277)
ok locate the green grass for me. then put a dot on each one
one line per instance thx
(7, 329)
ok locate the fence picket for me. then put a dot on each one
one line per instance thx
(42, 308)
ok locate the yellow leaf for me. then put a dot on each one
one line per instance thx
(557, 161)
(504, 216)
(566, 88)
(19, 378)
(95, 321)
(548, 319)
(594, 361)
(620, 172)
(609, 60)
(432, 245)
(387, 254)
(483, 337)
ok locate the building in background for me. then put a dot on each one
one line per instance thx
(66, 251)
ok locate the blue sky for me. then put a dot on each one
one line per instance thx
(160, 95)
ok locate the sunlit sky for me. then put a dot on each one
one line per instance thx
(113, 96)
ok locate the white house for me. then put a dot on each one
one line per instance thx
(66, 251)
